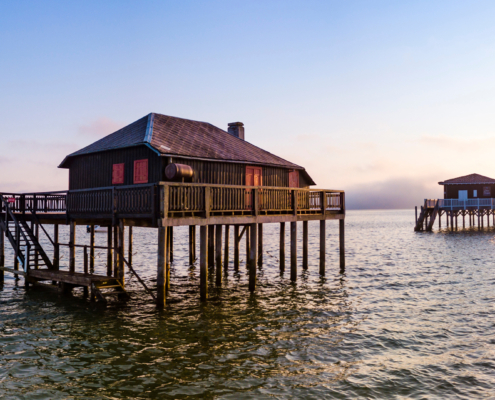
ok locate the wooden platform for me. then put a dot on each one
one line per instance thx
(73, 278)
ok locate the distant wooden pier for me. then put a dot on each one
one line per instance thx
(118, 182)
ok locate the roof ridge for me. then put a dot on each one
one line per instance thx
(149, 128)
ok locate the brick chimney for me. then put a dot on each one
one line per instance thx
(236, 129)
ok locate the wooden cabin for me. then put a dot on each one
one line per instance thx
(140, 153)
(162, 172)
(473, 186)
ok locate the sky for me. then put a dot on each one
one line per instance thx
(382, 99)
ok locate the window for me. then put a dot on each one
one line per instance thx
(487, 191)
(118, 174)
(294, 178)
(141, 171)
(475, 193)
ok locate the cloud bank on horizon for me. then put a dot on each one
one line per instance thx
(383, 100)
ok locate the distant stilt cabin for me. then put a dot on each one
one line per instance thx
(142, 151)
(471, 196)
(160, 172)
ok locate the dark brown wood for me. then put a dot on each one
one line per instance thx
(2, 255)
(293, 251)
(253, 230)
(211, 246)
(167, 262)
(342, 244)
(323, 239)
(121, 251)
(260, 245)
(71, 278)
(248, 246)
(56, 247)
(161, 267)
(218, 254)
(282, 247)
(226, 249)
(86, 260)
(109, 252)
(72, 249)
(171, 243)
(191, 244)
(129, 244)
(305, 245)
(36, 252)
(237, 241)
(203, 263)
(92, 249)
(116, 252)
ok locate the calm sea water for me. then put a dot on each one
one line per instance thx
(412, 317)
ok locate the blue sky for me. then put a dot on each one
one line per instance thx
(380, 98)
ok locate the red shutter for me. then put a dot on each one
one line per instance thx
(141, 171)
(118, 174)
(294, 178)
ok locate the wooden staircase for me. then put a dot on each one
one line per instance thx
(427, 218)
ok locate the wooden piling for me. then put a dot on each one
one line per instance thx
(36, 252)
(167, 262)
(56, 248)
(451, 220)
(109, 251)
(226, 250)
(305, 245)
(121, 272)
(129, 244)
(92, 249)
(260, 245)
(416, 214)
(203, 262)
(293, 251)
(282, 247)
(72, 249)
(323, 237)
(161, 266)
(211, 246)
(2, 255)
(237, 242)
(479, 224)
(342, 244)
(218, 255)
(191, 245)
(116, 250)
(248, 246)
(439, 219)
(253, 231)
(463, 219)
(171, 243)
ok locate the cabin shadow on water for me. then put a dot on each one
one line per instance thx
(160, 172)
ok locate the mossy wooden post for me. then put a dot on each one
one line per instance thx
(92, 249)
(226, 249)
(323, 237)
(237, 242)
(305, 245)
(72, 249)
(2, 255)
(191, 244)
(171, 242)
(56, 248)
(161, 266)
(252, 258)
(282, 247)
(109, 251)
(129, 244)
(342, 244)
(168, 259)
(211, 246)
(293, 251)
(203, 262)
(121, 247)
(260, 245)
(218, 255)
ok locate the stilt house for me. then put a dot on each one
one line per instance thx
(473, 186)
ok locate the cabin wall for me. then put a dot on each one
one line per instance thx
(95, 170)
(452, 191)
(223, 173)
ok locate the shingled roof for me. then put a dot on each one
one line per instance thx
(469, 179)
(172, 136)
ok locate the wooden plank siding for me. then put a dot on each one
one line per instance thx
(95, 169)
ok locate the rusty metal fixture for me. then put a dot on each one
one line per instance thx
(178, 171)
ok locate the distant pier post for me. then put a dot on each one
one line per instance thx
(72, 249)
(218, 255)
(252, 257)
(161, 266)
(56, 248)
(293, 251)
(305, 245)
(203, 262)
(282, 247)
(342, 244)
(323, 237)
(2, 255)
(226, 250)
(416, 214)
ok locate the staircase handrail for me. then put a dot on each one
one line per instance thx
(33, 213)
(7, 207)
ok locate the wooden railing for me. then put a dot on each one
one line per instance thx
(458, 204)
(175, 200)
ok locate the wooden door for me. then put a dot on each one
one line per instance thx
(253, 178)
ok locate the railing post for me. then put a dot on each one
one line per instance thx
(255, 202)
(35, 204)
(207, 202)
(294, 201)
(323, 197)
(342, 202)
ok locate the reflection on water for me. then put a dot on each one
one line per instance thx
(411, 318)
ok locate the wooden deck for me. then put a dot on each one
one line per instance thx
(73, 278)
